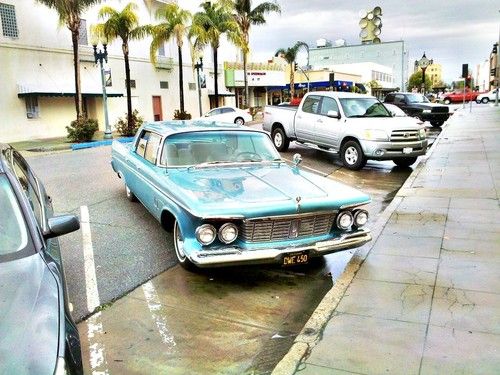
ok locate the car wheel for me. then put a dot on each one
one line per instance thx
(239, 121)
(437, 124)
(130, 196)
(485, 100)
(280, 140)
(352, 156)
(179, 249)
(404, 162)
(447, 101)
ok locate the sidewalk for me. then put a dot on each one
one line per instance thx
(424, 296)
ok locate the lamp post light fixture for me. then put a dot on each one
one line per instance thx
(199, 66)
(423, 64)
(101, 56)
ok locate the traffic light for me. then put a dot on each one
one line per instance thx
(332, 79)
(295, 66)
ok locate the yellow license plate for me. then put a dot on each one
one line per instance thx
(292, 259)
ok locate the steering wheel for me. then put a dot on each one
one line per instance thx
(248, 156)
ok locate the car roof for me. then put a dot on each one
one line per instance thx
(167, 128)
(341, 94)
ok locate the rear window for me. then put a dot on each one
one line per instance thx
(13, 230)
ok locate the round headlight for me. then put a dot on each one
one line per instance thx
(205, 234)
(360, 218)
(345, 220)
(228, 233)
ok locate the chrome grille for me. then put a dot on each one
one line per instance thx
(404, 135)
(286, 227)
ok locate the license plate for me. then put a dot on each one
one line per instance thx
(407, 150)
(296, 258)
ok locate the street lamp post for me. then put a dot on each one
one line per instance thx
(423, 63)
(99, 56)
(199, 66)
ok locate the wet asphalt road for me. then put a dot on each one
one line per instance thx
(130, 248)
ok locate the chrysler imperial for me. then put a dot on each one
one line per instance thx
(230, 199)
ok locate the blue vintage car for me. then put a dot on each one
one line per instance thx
(230, 199)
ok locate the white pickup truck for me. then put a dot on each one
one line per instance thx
(356, 126)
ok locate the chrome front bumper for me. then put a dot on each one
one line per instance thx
(237, 256)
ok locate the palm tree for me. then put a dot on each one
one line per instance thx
(207, 28)
(290, 54)
(69, 14)
(174, 25)
(245, 16)
(125, 25)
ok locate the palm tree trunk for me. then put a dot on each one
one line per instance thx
(76, 65)
(292, 82)
(127, 83)
(216, 87)
(245, 103)
(181, 79)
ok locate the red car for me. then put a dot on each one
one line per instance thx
(458, 96)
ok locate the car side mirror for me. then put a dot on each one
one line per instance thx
(62, 224)
(393, 114)
(297, 159)
(333, 114)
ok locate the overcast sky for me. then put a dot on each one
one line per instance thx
(451, 32)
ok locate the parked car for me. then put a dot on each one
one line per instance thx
(487, 97)
(38, 335)
(458, 96)
(356, 126)
(230, 199)
(394, 110)
(228, 114)
(417, 105)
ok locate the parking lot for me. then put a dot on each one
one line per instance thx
(236, 320)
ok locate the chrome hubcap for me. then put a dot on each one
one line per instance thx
(239, 121)
(278, 140)
(127, 190)
(351, 155)
(179, 244)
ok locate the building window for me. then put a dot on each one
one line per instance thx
(161, 50)
(82, 33)
(192, 86)
(32, 110)
(9, 23)
(163, 84)
(132, 83)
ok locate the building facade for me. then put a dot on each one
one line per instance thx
(392, 55)
(37, 76)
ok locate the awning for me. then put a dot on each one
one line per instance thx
(25, 90)
(222, 92)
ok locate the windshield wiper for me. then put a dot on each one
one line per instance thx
(357, 116)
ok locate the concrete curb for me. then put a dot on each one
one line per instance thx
(312, 332)
(107, 142)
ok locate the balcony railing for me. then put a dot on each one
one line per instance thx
(163, 62)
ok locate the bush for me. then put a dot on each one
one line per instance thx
(178, 115)
(126, 129)
(82, 130)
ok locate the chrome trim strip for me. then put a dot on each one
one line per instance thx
(297, 215)
(355, 204)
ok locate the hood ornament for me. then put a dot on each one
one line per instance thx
(297, 200)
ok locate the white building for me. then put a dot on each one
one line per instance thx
(482, 78)
(369, 72)
(37, 77)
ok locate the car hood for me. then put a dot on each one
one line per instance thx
(427, 105)
(257, 190)
(385, 123)
(29, 317)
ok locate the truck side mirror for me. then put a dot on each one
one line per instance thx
(333, 114)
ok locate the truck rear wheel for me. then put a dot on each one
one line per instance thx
(280, 140)
(352, 155)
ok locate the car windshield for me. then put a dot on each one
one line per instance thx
(363, 107)
(214, 147)
(13, 231)
(417, 98)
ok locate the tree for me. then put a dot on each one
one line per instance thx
(174, 25)
(290, 54)
(245, 16)
(416, 81)
(125, 25)
(69, 14)
(207, 28)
